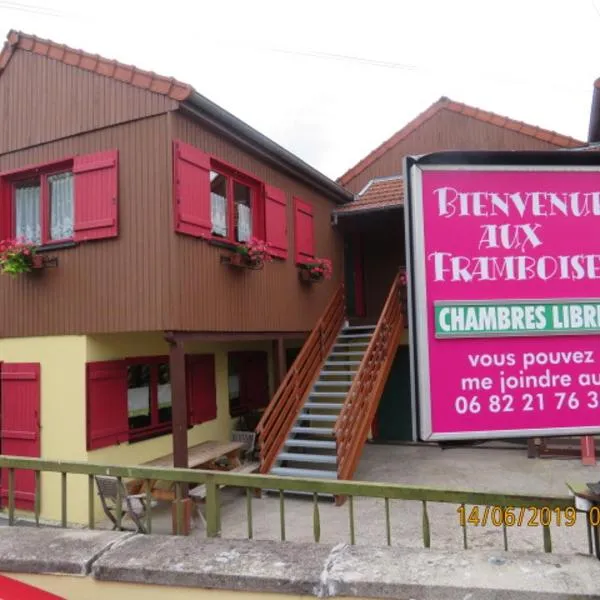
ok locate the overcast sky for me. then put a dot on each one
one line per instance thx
(331, 79)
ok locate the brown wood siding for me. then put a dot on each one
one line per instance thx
(211, 296)
(120, 284)
(446, 130)
(43, 100)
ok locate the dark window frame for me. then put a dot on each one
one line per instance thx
(40, 173)
(155, 428)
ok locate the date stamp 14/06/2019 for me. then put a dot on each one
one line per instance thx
(532, 516)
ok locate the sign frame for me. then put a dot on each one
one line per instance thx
(414, 167)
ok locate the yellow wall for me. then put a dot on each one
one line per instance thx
(86, 588)
(62, 410)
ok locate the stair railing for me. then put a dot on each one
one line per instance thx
(353, 423)
(280, 415)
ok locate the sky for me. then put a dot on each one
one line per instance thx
(330, 80)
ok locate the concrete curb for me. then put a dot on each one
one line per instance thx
(319, 570)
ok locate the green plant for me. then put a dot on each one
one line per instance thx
(16, 257)
(318, 268)
(255, 250)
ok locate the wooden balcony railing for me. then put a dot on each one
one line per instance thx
(352, 426)
(281, 413)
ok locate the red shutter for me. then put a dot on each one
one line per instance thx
(276, 221)
(20, 417)
(96, 194)
(5, 209)
(254, 379)
(201, 388)
(107, 421)
(192, 190)
(304, 231)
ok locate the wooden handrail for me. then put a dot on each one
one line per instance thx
(280, 415)
(353, 423)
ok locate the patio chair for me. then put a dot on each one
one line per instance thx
(133, 505)
(248, 438)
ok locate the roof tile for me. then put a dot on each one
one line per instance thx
(381, 193)
(560, 141)
(147, 80)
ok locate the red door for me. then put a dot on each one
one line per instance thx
(20, 425)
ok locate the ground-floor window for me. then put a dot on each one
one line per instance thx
(248, 379)
(131, 399)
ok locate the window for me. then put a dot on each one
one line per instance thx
(131, 400)
(70, 200)
(148, 396)
(231, 201)
(217, 201)
(43, 208)
(248, 381)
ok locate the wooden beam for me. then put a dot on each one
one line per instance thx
(179, 404)
(279, 362)
(231, 336)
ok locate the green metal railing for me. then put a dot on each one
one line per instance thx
(499, 504)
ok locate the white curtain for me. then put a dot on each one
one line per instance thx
(244, 223)
(28, 213)
(164, 395)
(218, 212)
(61, 206)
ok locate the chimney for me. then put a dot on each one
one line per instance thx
(594, 131)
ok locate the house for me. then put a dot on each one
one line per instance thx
(373, 224)
(143, 333)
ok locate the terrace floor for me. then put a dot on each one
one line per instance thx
(504, 469)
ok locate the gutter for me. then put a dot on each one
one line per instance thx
(206, 111)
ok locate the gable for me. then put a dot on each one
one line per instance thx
(42, 99)
(448, 129)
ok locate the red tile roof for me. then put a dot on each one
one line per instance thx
(147, 80)
(384, 192)
(561, 141)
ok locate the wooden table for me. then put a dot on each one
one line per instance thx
(201, 456)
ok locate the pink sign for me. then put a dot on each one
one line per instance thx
(507, 301)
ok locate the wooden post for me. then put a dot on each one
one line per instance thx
(588, 450)
(179, 404)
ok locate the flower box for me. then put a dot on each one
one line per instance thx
(249, 255)
(315, 271)
(18, 257)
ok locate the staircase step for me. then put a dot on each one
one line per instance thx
(339, 363)
(338, 373)
(315, 417)
(351, 344)
(314, 444)
(323, 406)
(333, 383)
(330, 459)
(327, 431)
(327, 395)
(346, 353)
(289, 472)
(355, 335)
(359, 327)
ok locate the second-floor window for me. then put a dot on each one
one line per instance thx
(231, 206)
(44, 208)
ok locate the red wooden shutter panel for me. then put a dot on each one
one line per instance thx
(20, 417)
(192, 190)
(96, 195)
(304, 231)
(6, 228)
(107, 420)
(201, 388)
(276, 234)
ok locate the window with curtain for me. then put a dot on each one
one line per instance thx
(60, 189)
(218, 203)
(28, 213)
(44, 208)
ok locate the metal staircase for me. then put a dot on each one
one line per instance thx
(310, 447)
